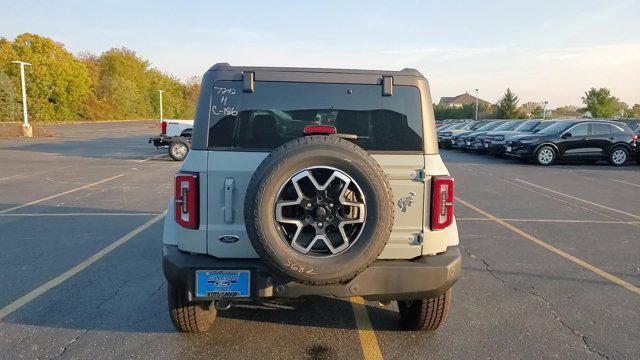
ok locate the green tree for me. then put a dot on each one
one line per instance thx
(57, 82)
(191, 93)
(118, 84)
(122, 67)
(173, 100)
(507, 107)
(9, 101)
(531, 109)
(634, 111)
(601, 104)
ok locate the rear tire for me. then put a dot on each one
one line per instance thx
(618, 156)
(426, 314)
(179, 149)
(189, 316)
(545, 156)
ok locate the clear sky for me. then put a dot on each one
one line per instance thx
(543, 50)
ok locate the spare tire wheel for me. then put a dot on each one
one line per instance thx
(319, 210)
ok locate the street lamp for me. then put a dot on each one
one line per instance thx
(27, 131)
(477, 104)
(544, 109)
(161, 117)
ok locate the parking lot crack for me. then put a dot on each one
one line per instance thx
(67, 345)
(157, 290)
(552, 309)
(556, 315)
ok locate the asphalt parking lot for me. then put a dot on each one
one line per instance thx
(551, 265)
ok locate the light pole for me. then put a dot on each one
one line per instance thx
(161, 117)
(477, 104)
(544, 109)
(27, 131)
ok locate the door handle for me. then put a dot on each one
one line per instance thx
(228, 200)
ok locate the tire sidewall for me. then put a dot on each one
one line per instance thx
(612, 162)
(545, 147)
(175, 157)
(272, 247)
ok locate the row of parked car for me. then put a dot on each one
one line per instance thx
(545, 141)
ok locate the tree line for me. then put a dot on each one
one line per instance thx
(117, 84)
(599, 103)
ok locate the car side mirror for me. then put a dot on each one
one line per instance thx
(566, 135)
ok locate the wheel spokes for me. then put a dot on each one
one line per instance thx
(327, 206)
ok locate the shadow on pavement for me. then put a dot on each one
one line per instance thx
(125, 147)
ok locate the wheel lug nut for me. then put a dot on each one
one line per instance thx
(320, 224)
(309, 205)
(331, 205)
(307, 218)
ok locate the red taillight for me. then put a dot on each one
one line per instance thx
(319, 129)
(163, 128)
(441, 202)
(635, 137)
(186, 200)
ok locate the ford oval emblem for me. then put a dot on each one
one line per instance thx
(229, 239)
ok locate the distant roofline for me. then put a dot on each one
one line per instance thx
(450, 99)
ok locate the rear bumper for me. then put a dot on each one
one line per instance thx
(420, 278)
(160, 141)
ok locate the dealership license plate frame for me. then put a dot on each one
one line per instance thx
(223, 284)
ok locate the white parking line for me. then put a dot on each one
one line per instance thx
(628, 183)
(79, 214)
(30, 296)
(579, 199)
(554, 249)
(60, 194)
(153, 157)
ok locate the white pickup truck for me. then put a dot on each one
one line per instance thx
(176, 136)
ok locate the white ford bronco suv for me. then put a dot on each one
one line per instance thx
(305, 181)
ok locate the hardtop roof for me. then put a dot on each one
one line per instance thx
(403, 72)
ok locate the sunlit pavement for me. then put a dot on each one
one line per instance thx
(547, 254)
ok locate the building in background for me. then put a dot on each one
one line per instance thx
(462, 99)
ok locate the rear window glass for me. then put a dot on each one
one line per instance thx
(277, 112)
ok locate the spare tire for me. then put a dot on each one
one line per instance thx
(319, 210)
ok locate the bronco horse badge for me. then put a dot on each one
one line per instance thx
(406, 201)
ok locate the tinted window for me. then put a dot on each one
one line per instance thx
(542, 125)
(600, 129)
(556, 128)
(469, 125)
(277, 112)
(527, 126)
(507, 126)
(580, 130)
(478, 125)
(490, 126)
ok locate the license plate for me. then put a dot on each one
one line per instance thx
(509, 148)
(486, 145)
(223, 283)
(468, 142)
